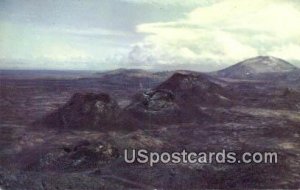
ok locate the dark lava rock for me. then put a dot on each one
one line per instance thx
(81, 156)
(158, 100)
(196, 89)
(27, 180)
(178, 100)
(290, 99)
(290, 93)
(154, 106)
(85, 111)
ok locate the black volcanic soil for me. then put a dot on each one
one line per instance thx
(190, 114)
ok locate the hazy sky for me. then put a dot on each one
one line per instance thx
(168, 34)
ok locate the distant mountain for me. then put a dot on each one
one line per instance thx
(129, 72)
(138, 77)
(254, 67)
(44, 74)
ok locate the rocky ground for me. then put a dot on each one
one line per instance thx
(53, 139)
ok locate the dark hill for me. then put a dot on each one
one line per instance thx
(179, 99)
(84, 111)
(195, 88)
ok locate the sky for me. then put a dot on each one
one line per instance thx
(203, 35)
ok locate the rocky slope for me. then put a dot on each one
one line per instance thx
(88, 110)
(291, 78)
(179, 99)
(195, 88)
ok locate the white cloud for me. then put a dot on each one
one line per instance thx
(224, 32)
(291, 51)
(173, 2)
(61, 52)
(40, 46)
(86, 32)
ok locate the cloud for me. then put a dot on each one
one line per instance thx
(34, 45)
(61, 52)
(204, 34)
(86, 31)
(290, 50)
(173, 2)
(222, 33)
